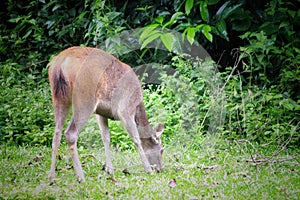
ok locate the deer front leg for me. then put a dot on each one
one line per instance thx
(131, 128)
(103, 125)
(72, 136)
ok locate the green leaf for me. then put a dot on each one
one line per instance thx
(159, 19)
(292, 13)
(221, 9)
(173, 19)
(221, 27)
(284, 24)
(146, 32)
(27, 34)
(200, 27)
(56, 7)
(204, 11)
(72, 12)
(188, 6)
(191, 34)
(167, 40)
(234, 9)
(206, 31)
(151, 38)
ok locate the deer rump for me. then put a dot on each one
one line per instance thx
(93, 81)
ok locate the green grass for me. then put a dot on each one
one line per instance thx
(214, 172)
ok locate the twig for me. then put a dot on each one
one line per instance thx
(243, 101)
(29, 66)
(221, 57)
(261, 161)
(218, 94)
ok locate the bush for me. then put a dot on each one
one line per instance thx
(263, 116)
(26, 113)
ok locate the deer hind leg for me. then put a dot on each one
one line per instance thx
(131, 128)
(72, 135)
(103, 125)
(60, 112)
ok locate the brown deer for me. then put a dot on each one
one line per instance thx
(93, 81)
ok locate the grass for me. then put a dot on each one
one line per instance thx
(212, 172)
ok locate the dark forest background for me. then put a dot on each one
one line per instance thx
(254, 45)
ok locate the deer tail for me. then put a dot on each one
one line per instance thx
(60, 84)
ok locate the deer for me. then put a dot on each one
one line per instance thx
(91, 81)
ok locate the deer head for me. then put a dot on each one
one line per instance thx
(153, 148)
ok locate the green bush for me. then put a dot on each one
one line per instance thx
(263, 116)
(26, 112)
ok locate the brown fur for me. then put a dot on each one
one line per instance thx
(93, 81)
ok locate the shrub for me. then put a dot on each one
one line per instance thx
(26, 112)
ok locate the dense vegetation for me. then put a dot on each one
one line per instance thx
(255, 48)
(234, 116)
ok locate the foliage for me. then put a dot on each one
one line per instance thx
(232, 134)
(227, 172)
(90, 137)
(272, 56)
(264, 116)
(26, 112)
(260, 87)
(105, 23)
(47, 27)
(179, 21)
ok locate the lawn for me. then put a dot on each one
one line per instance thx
(226, 171)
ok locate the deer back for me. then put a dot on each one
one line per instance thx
(97, 82)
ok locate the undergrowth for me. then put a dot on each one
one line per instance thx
(194, 102)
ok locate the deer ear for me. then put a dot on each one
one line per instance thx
(159, 130)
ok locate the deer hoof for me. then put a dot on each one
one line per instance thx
(110, 171)
(149, 171)
(81, 180)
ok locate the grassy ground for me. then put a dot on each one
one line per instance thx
(210, 173)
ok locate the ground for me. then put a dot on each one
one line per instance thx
(211, 172)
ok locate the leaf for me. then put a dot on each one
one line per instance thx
(284, 24)
(27, 34)
(227, 12)
(172, 183)
(221, 27)
(72, 12)
(112, 179)
(191, 34)
(159, 19)
(176, 15)
(56, 7)
(204, 11)
(188, 6)
(146, 31)
(126, 171)
(206, 31)
(221, 9)
(173, 19)
(168, 40)
(151, 38)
